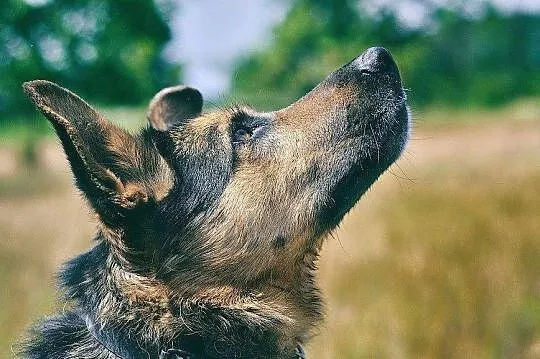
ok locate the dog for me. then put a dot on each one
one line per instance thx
(210, 224)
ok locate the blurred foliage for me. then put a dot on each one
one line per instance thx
(453, 59)
(108, 49)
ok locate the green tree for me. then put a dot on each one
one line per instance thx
(454, 59)
(109, 50)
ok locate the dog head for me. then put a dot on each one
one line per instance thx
(233, 198)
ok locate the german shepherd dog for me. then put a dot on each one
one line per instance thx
(210, 224)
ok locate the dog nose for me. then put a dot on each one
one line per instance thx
(376, 60)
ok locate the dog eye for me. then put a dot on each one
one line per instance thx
(242, 134)
(246, 128)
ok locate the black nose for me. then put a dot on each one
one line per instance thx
(376, 60)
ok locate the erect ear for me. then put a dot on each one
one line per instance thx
(174, 105)
(95, 148)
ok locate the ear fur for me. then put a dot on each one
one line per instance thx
(92, 145)
(174, 105)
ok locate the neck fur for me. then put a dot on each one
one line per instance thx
(218, 321)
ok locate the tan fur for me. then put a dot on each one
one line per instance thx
(211, 223)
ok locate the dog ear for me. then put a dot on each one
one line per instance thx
(93, 145)
(174, 105)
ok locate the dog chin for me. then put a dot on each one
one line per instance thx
(368, 169)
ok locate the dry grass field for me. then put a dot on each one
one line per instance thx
(440, 259)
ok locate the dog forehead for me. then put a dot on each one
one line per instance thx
(216, 119)
(198, 131)
(213, 121)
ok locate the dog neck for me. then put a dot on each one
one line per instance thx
(116, 300)
(119, 344)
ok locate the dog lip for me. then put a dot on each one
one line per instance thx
(375, 60)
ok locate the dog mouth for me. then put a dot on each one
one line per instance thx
(384, 108)
(376, 128)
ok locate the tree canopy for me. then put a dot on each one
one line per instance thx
(454, 59)
(109, 50)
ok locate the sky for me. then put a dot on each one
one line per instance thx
(209, 35)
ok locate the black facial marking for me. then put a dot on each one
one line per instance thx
(246, 128)
(279, 242)
(201, 177)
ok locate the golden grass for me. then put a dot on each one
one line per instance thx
(444, 266)
(458, 276)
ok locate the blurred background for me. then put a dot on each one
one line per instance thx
(441, 259)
